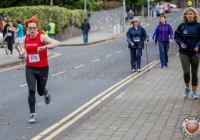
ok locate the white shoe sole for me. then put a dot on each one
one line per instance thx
(185, 97)
(195, 98)
(32, 120)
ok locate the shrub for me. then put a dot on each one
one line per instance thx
(60, 16)
(80, 5)
(110, 5)
(97, 5)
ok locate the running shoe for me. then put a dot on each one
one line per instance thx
(133, 70)
(139, 70)
(185, 95)
(6, 51)
(32, 118)
(163, 66)
(47, 97)
(166, 65)
(194, 95)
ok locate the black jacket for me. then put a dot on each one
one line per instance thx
(5, 29)
(85, 26)
(140, 32)
(188, 33)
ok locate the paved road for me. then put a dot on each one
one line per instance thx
(72, 83)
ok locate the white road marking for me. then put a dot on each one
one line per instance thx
(108, 55)
(118, 51)
(146, 25)
(79, 66)
(95, 60)
(23, 85)
(177, 55)
(174, 21)
(58, 73)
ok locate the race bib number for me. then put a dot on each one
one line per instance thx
(136, 39)
(9, 34)
(34, 58)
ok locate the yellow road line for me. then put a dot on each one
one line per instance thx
(86, 104)
(94, 105)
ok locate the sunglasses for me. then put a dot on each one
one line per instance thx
(32, 28)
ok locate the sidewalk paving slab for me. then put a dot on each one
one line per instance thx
(152, 108)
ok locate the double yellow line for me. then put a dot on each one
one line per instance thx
(104, 95)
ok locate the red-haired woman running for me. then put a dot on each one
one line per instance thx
(37, 69)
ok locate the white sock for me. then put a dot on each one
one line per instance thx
(188, 88)
(46, 95)
(33, 114)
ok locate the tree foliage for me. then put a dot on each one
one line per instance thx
(71, 4)
(63, 3)
(7, 3)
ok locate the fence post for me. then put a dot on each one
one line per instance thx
(114, 30)
(118, 29)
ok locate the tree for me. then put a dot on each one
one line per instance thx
(7, 3)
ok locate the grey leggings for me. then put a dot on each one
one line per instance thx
(186, 61)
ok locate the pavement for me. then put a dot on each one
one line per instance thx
(152, 108)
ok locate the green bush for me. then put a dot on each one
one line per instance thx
(62, 17)
(80, 5)
(97, 5)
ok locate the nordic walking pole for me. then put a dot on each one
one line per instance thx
(147, 53)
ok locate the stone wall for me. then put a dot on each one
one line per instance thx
(98, 20)
(69, 32)
(106, 18)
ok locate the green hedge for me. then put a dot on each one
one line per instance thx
(91, 5)
(62, 17)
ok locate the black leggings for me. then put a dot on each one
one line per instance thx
(32, 75)
(10, 42)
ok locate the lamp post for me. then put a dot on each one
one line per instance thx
(85, 8)
(124, 12)
(148, 2)
(51, 2)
